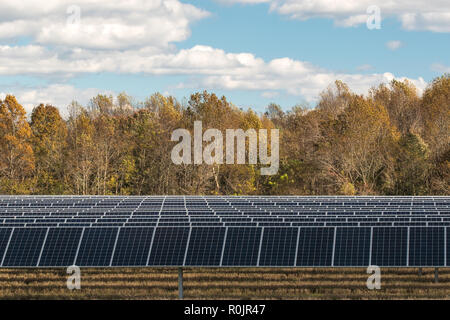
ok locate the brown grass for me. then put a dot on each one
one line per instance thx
(225, 283)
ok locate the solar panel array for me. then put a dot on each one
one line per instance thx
(284, 231)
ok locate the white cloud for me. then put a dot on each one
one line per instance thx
(243, 1)
(438, 67)
(430, 15)
(270, 94)
(308, 86)
(104, 24)
(211, 68)
(394, 45)
(136, 36)
(59, 95)
(437, 21)
(364, 67)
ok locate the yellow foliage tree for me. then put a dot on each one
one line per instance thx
(16, 152)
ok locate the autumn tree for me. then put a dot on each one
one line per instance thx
(151, 130)
(402, 102)
(16, 153)
(358, 147)
(299, 170)
(435, 112)
(49, 145)
(81, 149)
(334, 100)
(412, 166)
(390, 141)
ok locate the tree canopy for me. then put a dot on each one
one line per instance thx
(391, 141)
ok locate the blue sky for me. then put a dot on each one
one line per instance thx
(283, 51)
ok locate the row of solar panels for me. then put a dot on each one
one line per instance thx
(219, 219)
(225, 209)
(232, 246)
(246, 203)
(261, 198)
(263, 222)
(315, 205)
(219, 213)
(290, 206)
(205, 209)
(108, 217)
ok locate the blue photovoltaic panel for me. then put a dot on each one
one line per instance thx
(261, 230)
(169, 246)
(447, 237)
(389, 246)
(133, 246)
(205, 246)
(242, 246)
(5, 233)
(315, 247)
(278, 247)
(352, 247)
(25, 247)
(96, 247)
(60, 247)
(426, 246)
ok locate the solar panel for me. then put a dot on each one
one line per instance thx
(205, 246)
(242, 246)
(60, 247)
(96, 247)
(389, 246)
(169, 246)
(278, 247)
(315, 247)
(133, 246)
(223, 231)
(352, 247)
(426, 246)
(5, 234)
(25, 247)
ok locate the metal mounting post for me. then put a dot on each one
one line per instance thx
(436, 275)
(180, 283)
(420, 272)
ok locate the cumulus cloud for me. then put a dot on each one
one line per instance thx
(427, 15)
(438, 67)
(243, 1)
(59, 95)
(394, 45)
(101, 24)
(136, 36)
(364, 67)
(213, 68)
(270, 94)
(308, 85)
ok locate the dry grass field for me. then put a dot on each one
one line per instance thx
(227, 283)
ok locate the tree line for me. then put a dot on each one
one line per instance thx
(390, 141)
